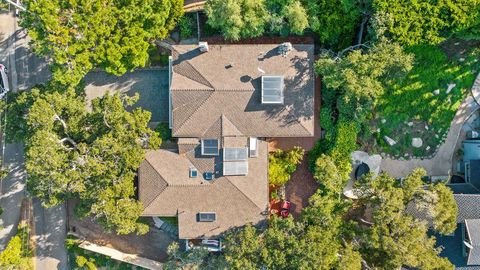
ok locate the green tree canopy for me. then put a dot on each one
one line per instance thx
(282, 164)
(237, 19)
(362, 74)
(91, 155)
(426, 21)
(287, 16)
(77, 36)
(333, 20)
(396, 238)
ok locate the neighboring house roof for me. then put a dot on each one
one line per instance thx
(453, 249)
(222, 88)
(473, 230)
(471, 150)
(166, 189)
(468, 206)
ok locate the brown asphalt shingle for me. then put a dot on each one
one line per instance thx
(235, 91)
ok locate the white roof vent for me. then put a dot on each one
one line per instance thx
(203, 46)
(285, 48)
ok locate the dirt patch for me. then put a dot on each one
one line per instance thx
(152, 245)
(300, 188)
(456, 48)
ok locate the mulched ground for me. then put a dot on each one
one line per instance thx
(300, 188)
(152, 245)
(455, 48)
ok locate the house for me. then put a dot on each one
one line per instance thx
(225, 100)
(462, 248)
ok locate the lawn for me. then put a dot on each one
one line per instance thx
(411, 107)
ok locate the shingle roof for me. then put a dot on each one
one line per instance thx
(473, 229)
(205, 89)
(237, 200)
(468, 206)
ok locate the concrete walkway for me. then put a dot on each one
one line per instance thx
(441, 163)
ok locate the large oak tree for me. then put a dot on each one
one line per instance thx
(79, 35)
(89, 154)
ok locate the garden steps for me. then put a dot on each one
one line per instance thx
(166, 227)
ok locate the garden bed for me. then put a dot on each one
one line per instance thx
(419, 105)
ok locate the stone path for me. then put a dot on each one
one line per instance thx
(441, 163)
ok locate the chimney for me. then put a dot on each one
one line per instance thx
(203, 46)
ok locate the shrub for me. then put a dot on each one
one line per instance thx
(282, 164)
(164, 131)
(81, 261)
(186, 26)
(12, 255)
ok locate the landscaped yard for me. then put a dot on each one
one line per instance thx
(80, 258)
(419, 105)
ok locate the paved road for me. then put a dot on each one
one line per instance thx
(50, 234)
(26, 70)
(12, 192)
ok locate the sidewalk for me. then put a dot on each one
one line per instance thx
(441, 163)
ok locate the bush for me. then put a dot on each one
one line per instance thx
(164, 131)
(186, 26)
(81, 261)
(282, 164)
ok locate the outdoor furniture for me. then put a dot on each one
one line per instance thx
(285, 208)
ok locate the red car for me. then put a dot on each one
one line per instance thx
(285, 208)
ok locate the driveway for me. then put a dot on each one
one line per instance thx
(151, 84)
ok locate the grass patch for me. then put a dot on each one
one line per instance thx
(410, 108)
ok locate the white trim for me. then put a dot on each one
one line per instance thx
(203, 147)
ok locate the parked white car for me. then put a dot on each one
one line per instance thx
(4, 87)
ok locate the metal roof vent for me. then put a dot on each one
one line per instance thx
(285, 48)
(193, 172)
(203, 46)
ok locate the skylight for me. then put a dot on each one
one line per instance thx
(210, 147)
(235, 154)
(207, 217)
(272, 89)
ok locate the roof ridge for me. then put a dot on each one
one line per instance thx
(236, 131)
(195, 111)
(301, 124)
(205, 82)
(160, 190)
(243, 193)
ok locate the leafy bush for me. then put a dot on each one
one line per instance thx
(282, 164)
(186, 26)
(164, 131)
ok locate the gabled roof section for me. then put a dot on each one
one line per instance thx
(236, 200)
(229, 129)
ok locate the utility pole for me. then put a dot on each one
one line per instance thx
(16, 4)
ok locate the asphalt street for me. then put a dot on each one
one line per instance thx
(25, 71)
